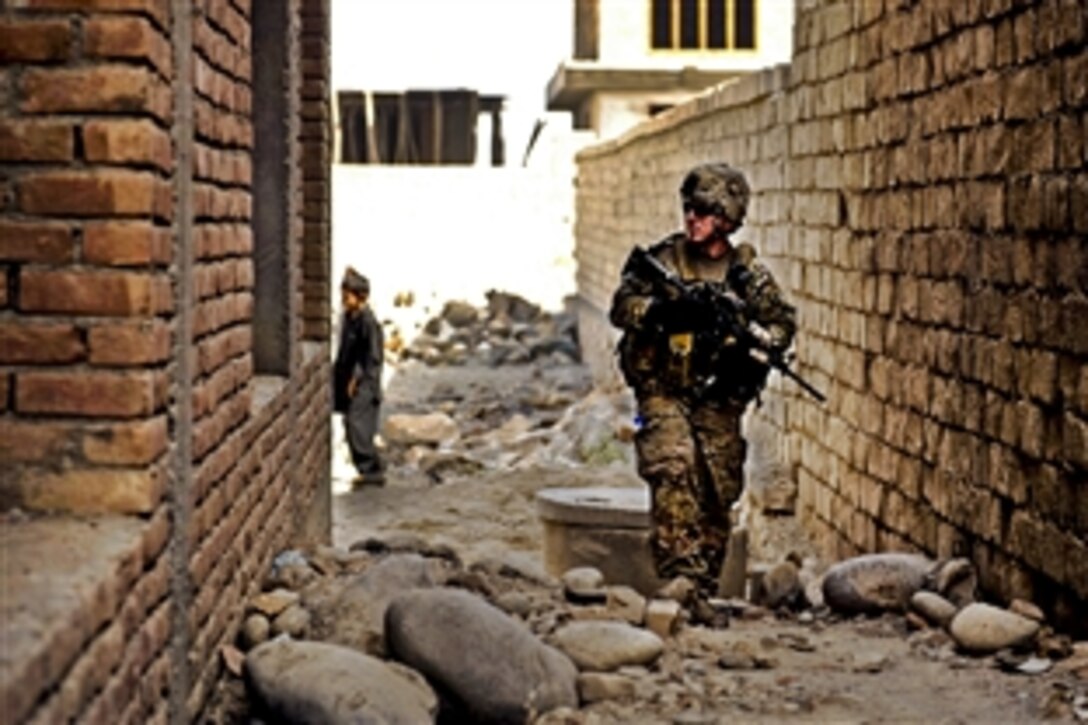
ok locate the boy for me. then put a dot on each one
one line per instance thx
(357, 376)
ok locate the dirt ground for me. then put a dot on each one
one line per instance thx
(816, 668)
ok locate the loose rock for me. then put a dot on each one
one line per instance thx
(314, 682)
(584, 585)
(358, 615)
(1027, 609)
(272, 603)
(430, 428)
(605, 646)
(982, 628)
(255, 630)
(293, 621)
(597, 686)
(512, 674)
(627, 604)
(875, 583)
(663, 617)
(935, 608)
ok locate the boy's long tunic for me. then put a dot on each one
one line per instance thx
(690, 448)
(360, 357)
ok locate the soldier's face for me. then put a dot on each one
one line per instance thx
(703, 225)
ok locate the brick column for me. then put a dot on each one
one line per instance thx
(85, 290)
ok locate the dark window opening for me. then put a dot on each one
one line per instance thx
(689, 23)
(715, 24)
(744, 24)
(661, 24)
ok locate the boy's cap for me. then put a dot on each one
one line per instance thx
(355, 282)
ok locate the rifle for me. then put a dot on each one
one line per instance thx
(727, 311)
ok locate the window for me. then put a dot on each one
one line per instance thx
(703, 24)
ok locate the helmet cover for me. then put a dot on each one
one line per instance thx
(719, 187)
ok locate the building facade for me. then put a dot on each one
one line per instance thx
(633, 60)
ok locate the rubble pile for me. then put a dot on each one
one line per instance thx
(509, 330)
(396, 629)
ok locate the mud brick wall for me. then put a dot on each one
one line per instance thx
(920, 191)
(128, 389)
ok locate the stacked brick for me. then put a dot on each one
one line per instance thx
(315, 138)
(920, 176)
(84, 255)
(127, 295)
(86, 307)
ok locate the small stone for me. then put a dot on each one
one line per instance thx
(293, 577)
(255, 630)
(1027, 609)
(870, 662)
(734, 570)
(681, 589)
(428, 428)
(627, 604)
(781, 586)
(983, 628)
(592, 613)
(584, 585)
(1055, 646)
(1035, 666)
(605, 646)
(956, 580)
(516, 603)
(598, 686)
(272, 603)
(233, 659)
(935, 608)
(663, 617)
(695, 717)
(737, 658)
(916, 621)
(293, 621)
(796, 642)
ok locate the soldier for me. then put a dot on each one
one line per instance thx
(689, 446)
(357, 376)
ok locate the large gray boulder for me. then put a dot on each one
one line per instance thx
(314, 683)
(875, 583)
(358, 615)
(496, 669)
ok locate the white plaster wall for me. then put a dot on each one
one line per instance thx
(614, 113)
(625, 39)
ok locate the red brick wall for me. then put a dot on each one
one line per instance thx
(126, 300)
(84, 255)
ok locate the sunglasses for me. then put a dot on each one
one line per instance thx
(701, 208)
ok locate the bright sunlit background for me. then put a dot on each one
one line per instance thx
(497, 47)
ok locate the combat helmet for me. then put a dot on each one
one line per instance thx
(720, 187)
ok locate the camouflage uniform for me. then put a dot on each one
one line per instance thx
(689, 446)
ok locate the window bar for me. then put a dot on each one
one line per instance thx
(730, 25)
